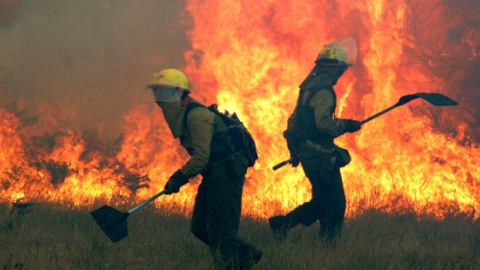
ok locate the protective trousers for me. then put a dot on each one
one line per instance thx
(328, 197)
(216, 216)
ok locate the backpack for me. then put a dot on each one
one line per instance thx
(238, 135)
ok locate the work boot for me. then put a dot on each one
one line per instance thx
(249, 258)
(280, 226)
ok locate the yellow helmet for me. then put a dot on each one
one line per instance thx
(170, 77)
(342, 51)
(333, 54)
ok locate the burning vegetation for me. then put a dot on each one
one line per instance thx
(249, 57)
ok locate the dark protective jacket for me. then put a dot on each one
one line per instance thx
(318, 121)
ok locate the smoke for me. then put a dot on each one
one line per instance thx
(7, 11)
(88, 61)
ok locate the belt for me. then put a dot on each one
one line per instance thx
(318, 147)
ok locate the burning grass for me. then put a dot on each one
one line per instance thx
(49, 236)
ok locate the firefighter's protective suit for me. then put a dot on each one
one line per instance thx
(217, 209)
(310, 135)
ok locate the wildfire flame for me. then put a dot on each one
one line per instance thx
(249, 58)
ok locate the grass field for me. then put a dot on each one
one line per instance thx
(47, 236)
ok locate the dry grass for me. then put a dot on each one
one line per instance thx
(45, 236)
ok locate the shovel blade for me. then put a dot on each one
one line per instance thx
(436, 99)
(405, 99)
(112, 222)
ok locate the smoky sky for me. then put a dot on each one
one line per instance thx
(90, 59)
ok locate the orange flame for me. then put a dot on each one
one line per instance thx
(250, 57)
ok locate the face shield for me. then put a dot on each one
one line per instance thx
(343, 50)
(332, 61)
(161, 93)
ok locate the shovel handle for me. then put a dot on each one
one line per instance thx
(142, 204)
(378, 114)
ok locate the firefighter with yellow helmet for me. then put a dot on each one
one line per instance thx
(310, 135)
(217, 209)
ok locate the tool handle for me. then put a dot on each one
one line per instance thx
(281, 164)
(378, 114)
(142, 204)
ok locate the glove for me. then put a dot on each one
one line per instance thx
(352, 125)
(292, 139)
(177, 180)
(294, 154)
(295, 160)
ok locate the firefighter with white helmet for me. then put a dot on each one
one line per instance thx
(217, 209)
(310, 135)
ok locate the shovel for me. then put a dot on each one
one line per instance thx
(434, 98)
(113, 222)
